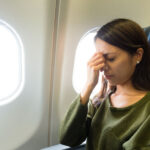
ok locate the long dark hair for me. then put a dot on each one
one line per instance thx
(129, 36)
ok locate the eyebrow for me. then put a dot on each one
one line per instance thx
(105, 55)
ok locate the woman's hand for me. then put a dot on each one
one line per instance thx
(94, 65)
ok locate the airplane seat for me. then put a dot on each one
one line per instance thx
(147, 31)
(63, 147)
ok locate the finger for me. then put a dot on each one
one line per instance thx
(103, 78)
(96, 62)
(98, 67)
(96, 59)
(96, 56)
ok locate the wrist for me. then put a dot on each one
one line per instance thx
(85, 93)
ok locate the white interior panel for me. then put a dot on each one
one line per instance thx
(75, 18)
(24, 122)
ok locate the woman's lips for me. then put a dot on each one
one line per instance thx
(108, 76)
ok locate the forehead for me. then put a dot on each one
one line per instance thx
(106, 48)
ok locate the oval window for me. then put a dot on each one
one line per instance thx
(85, 49)
(11, 63)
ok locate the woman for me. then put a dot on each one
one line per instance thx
(118, 119)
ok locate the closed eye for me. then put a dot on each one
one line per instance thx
(111, 59)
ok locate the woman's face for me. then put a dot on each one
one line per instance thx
(119, 65)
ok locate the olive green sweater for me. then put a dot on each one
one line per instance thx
(110, 128)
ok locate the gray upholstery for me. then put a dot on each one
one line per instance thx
(63, 147)
(147, 31)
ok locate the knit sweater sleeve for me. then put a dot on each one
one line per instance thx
(73, 127)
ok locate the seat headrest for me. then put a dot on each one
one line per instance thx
(147, 31)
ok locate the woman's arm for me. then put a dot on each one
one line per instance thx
(73, 127)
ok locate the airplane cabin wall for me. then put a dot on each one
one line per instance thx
(24, 123)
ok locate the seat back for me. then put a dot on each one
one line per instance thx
(147, 31)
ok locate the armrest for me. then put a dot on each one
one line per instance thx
(63, 147)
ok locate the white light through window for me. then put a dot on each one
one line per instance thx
(11, 63)
(85, 50)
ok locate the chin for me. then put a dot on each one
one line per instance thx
(111, 83)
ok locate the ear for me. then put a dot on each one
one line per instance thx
(139, 54)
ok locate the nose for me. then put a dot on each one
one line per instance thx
(105, 68)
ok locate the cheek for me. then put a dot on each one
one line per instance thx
(123, 65)
(118, 67)
(124, 70)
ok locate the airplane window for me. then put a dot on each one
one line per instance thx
(85, 49)
(11, 63)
